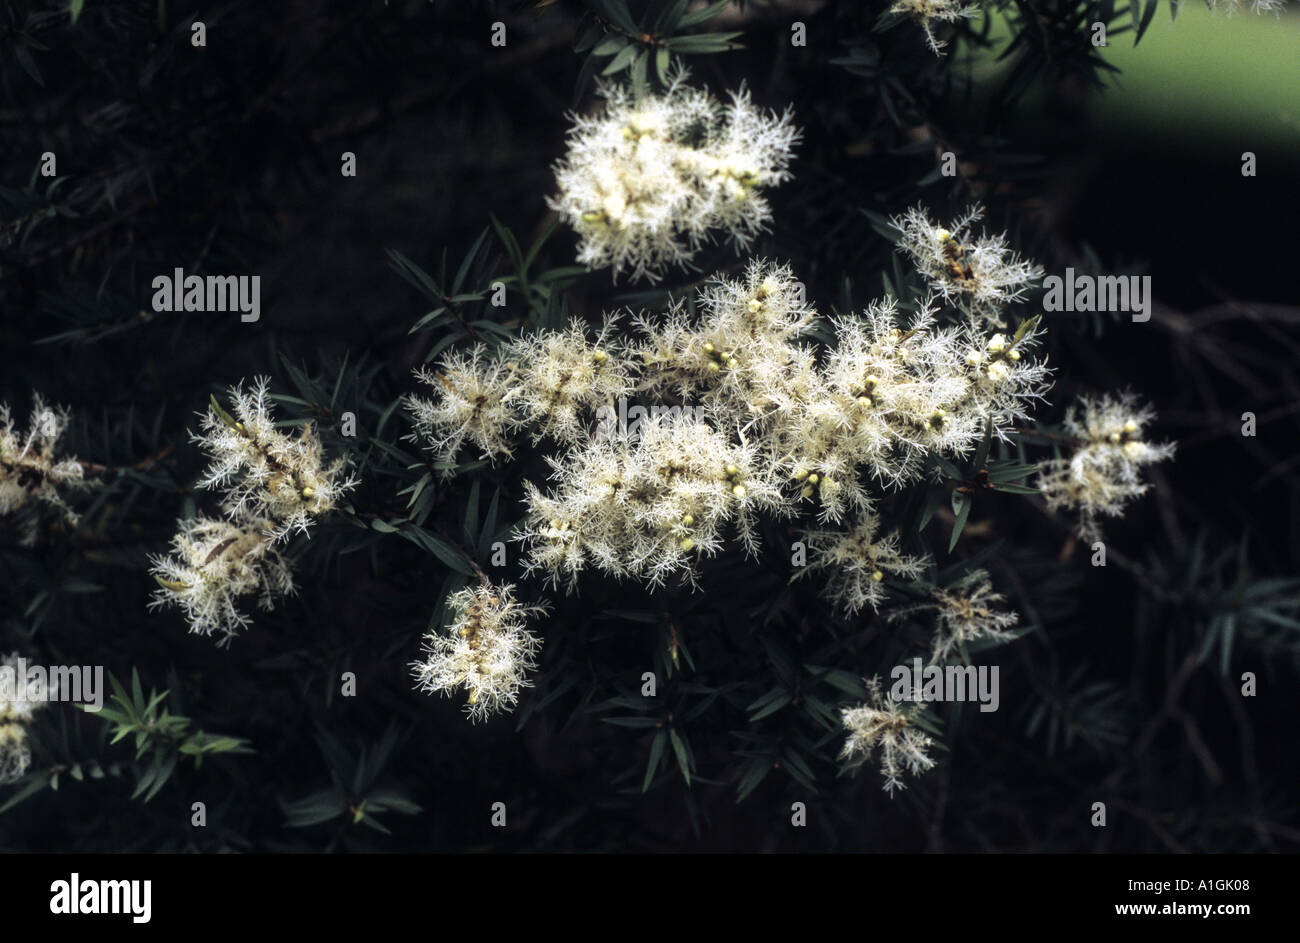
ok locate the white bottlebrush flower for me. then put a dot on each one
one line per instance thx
(563, 377)
(856, 562)
(487, 650)
(16, 715)
(214, 564)
(978, 276)
(471, 404)
(647, 180)
(1104, 472)
(967, 611)
(881, 724)
(646, 508)
(929, 13)
(30, 470)
(15, 755)
(266, 473)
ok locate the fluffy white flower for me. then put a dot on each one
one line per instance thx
(931, 12)
(880, 724)
(487, 650)
(214, 564)
(30, 471)
(1104, 472)
(646, 508)
(646, 181)
(471, 403)
(266, 473)
(16, 715)
(856, 562)
(978, 276)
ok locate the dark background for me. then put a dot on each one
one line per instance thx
(226, 159)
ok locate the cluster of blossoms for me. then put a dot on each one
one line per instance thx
(1104, 472)
(930, 13)
(647, 180)
(487, 650)
(882, 724)
(275, 485)
(547, 383)
(770, 429)
(31, 473)
(763, 418)
(978, 276)
(856, 561)
(968, 610)
(15, 716)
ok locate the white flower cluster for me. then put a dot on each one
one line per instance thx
(30, 470)
(1104, 472)
(648, 508)
(769, 430)
(931, 12)
(275, 485)
(880, 724)
(857, 561)
(977, 276)
(545, 382)
(487, 650)
(646, 181)
(214, 563)
(15, 717)
(266, 473)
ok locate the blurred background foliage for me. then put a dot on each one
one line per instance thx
(226, 159)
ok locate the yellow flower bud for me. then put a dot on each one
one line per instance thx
(877, 576)
(738, 491)
(686, 543)
(688, 520)
(731, 469)
(813, 478)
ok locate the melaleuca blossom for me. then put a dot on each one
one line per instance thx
(31, 471)
(647, 180)
(744, 370)
(968, 610)
(214, 564)
(856, 561)
(882, 725)
(979, 277)
(1104, 472)
(487, 650)
(929, 13)
(548, 383)
(897, 391)
(562, 377)
(17, 705)
(740, 359)
(469, 406)
(646, 506)
(267, 473)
